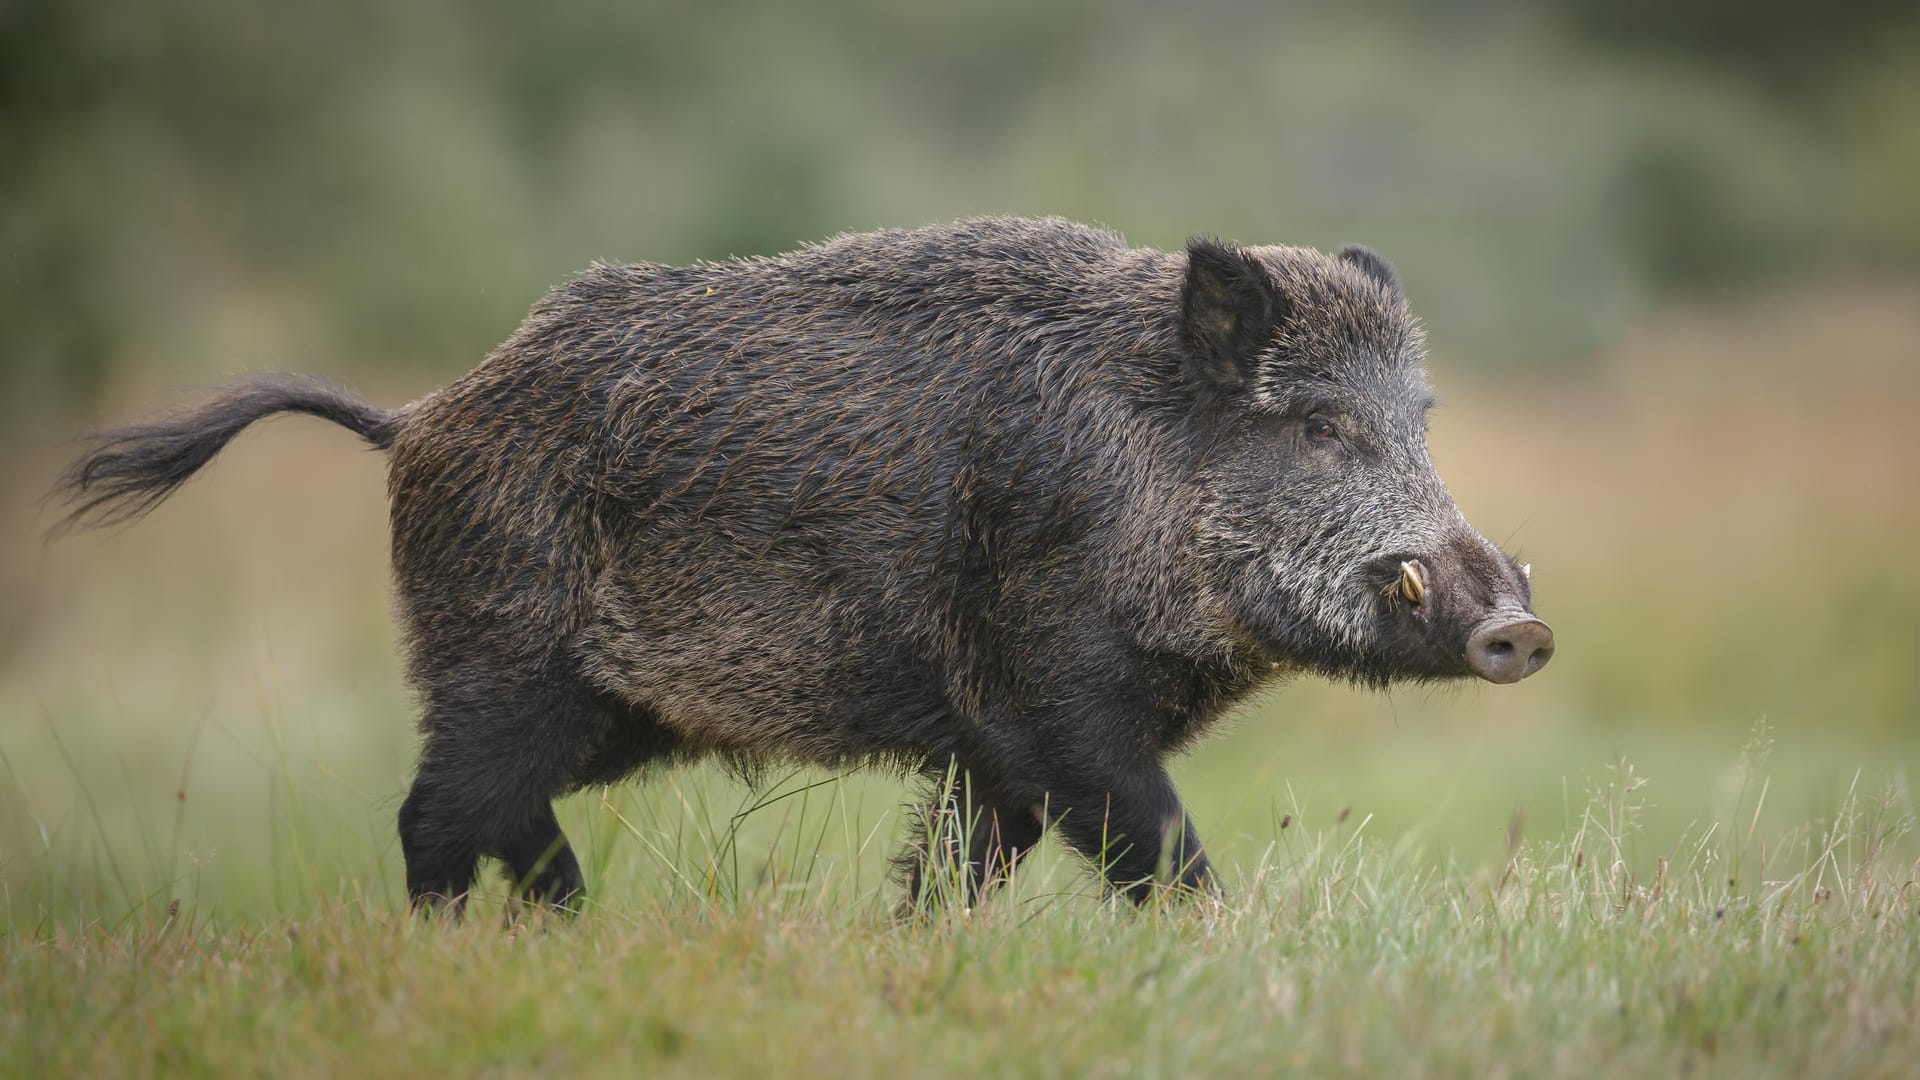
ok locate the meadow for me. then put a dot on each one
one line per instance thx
(1685, 846)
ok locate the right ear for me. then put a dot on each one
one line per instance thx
(1229, 308)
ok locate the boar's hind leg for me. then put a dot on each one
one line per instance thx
(477, 796)
(494, 760)
(437, 838)
(966, 813)
(541, 867)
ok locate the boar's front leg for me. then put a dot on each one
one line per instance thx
(1130, 823)
(970, 838)
(1108, 797)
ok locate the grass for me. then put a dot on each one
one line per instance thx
(1332, 953)
(1686, 847)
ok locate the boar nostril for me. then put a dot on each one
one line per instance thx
(1508, 648)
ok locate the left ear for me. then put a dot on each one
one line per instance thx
(1369, 262)
(1229, 308)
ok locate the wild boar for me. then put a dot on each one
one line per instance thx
(1007, 502)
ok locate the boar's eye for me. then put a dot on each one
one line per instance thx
(1319, 428)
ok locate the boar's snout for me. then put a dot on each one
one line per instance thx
(1509, 646)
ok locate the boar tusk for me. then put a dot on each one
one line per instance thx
(1413, 584)
(1526, 570)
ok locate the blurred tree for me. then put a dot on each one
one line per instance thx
(1789, 47)
(195, 186)
(61, 325)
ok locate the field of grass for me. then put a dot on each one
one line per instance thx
(1687, 845)
(1333, 955)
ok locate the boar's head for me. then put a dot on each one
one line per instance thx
(1323, 529)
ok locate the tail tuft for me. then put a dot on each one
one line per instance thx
(130, 470)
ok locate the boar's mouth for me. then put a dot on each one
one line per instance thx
(1440, 627)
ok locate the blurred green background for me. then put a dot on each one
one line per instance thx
(1668, 255)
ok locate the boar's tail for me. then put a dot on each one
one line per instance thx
(130, 470)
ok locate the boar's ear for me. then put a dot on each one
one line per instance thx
(1228, 310)
(1369, 262)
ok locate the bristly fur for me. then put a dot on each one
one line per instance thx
(1007, 497)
